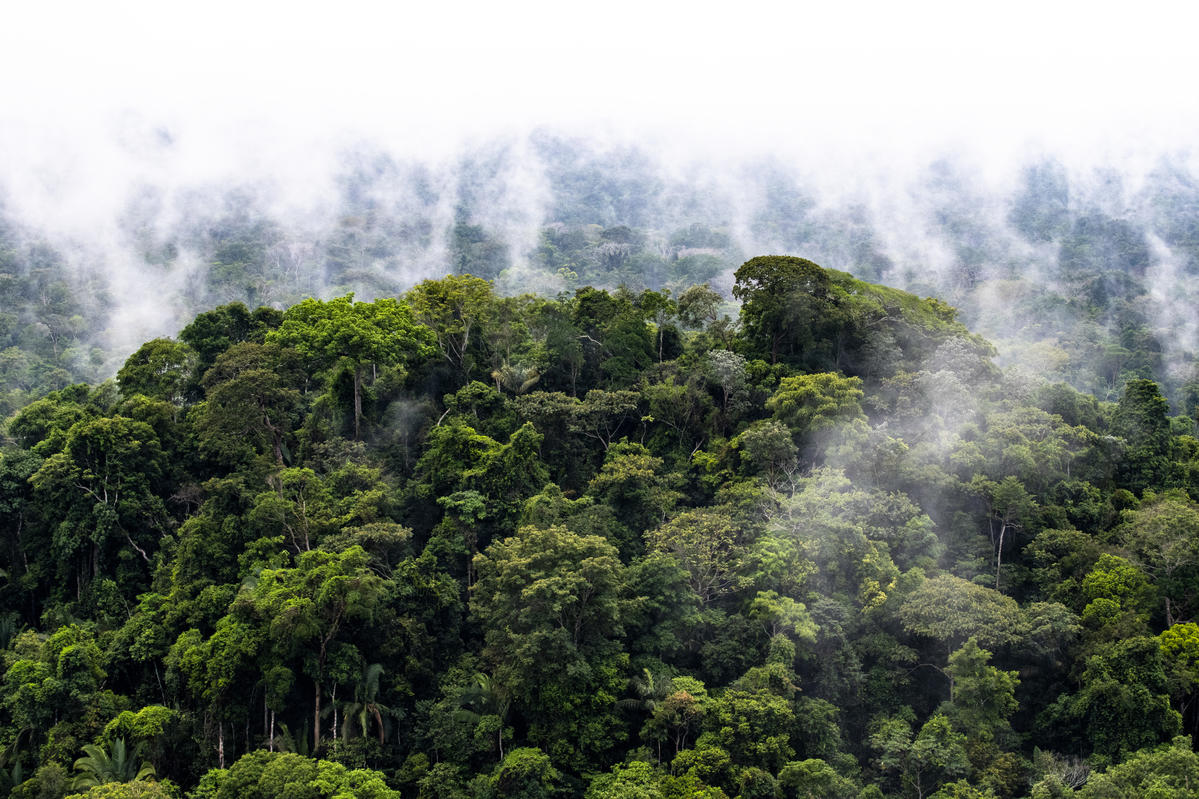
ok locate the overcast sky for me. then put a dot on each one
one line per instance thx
(763, 74)
(90, 91)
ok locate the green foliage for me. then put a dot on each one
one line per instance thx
(603, 544)
(637, 780)
(1122, 705)
(1140, 418)
(810, 404)
(159, 369)
(922, 762)
(345, 334)
(710, 544)
(525, 773)
(129, 790)
(950, 609)
(116, 764)
(550, 604)
(1167, 771)
(274, 775)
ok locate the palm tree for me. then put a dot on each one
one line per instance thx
(366, 703)
(517, 378)
(650, 691)
(284, 741)
(98, 766)
(485, 697)
(11, 773)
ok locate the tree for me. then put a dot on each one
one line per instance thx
(508, 475)
(99, 766)
(1180, 652)
(159, 369)
(1122, 704)
(274, 775)
(682, 407)
(632, 484)
(782, 615)
(526, 773)
(138, 789)
(711, 546)
(215, 668)
(699, 307)
(1116, 589)
(213, 332)
(727, 370)
(937, 753)
(366, 708)
(637, 780)
(1009, 506)
(786, 307)
(53, 678)
(485, 703)
(603, 415)
(754, 727)
(856, 536)
(304, 608)
(982, 700)
(1163, 532)
(815, 779)
(342, 332)
(251, 399)
(1141, 420)
(104, 483)
(678, 715)
(549, 602)
(816, 402)
(1165, 772)
(769, 446)
(951, 609)
(457, 309)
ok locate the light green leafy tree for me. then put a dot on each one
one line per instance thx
(710, 544)
(550, 603)
(305, 608)
(923, 762)
(342, 333)
(813, 403)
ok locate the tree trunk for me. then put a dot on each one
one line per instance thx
(220, 743)
(999, 553)
(316, 719)
(277, 441)
(357, 399)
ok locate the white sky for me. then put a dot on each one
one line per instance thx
(757, 74)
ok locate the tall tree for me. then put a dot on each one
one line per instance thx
(354, 335)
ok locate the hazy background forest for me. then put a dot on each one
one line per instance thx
(1082, 273)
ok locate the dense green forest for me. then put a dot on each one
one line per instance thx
(805, 540)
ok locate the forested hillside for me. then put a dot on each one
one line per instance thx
(608, 543)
